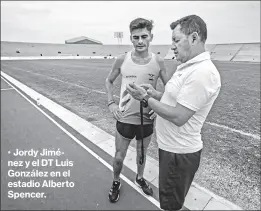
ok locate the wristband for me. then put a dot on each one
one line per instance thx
(144, 101)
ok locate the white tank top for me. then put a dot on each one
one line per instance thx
(138, 74)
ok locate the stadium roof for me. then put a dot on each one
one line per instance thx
(81, 38)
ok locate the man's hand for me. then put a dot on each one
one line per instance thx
(150, 90)
(137, 92)
(114, 109)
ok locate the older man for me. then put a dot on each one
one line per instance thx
(182, 110)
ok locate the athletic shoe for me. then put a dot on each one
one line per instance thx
(144, 185)
(114, 193)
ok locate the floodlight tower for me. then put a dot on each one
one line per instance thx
(119, 36)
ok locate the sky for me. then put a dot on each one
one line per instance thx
(57, 21)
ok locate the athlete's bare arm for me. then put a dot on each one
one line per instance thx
(163, 71)
(113, 74)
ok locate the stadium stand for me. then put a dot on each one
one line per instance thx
(248, 53)
(225, 52)
(222, 52)
(36, 49)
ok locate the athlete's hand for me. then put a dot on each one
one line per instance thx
(150, 90)
(152, 114)
(114, 109)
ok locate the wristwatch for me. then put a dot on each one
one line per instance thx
(144, 101)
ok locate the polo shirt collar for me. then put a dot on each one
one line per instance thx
(199, 58)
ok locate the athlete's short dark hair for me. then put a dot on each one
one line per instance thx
(140, 23)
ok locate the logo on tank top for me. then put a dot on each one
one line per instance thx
(131, 76)
(151, 77)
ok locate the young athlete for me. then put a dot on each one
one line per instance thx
(138, 66)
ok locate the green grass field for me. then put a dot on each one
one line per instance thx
(230, 165)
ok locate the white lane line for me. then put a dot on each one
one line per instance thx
(151, 199)
(218, 198)
(234, 130)
(6, 89)
(55, 79)
(255, 136)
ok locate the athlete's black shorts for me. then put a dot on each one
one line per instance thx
(176, 173)
(129, 131)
